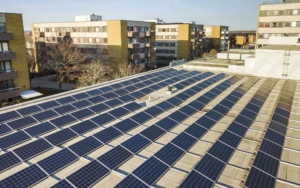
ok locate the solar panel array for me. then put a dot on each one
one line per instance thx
(77, 125)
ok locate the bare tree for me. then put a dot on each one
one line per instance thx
(65, 59)
(31, 61)
(119, 70)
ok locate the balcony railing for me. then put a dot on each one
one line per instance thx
(5, 36)
(8, 75)
(133, 45)
(10, 93)
(7, 55)
(133, 34)
(150, 33)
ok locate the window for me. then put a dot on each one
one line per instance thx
(267, 25)
(97, 40)
(74, 29)
(90, 29)
(5, 66)
(4, 46)
(90, 40)
(80, 29)
(2, 27)
(96, 29)
(61, 29)
(80, 39)
(293, 24)
(74, 39)
(53, 29)
(266, 36)
(104, 28)
(104, 40)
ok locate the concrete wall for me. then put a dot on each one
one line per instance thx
(233, 56)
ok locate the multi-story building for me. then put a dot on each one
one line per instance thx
(282, 19)
(219, 36)
(129, 41)
(243, 37)
(175, 41)
(14, 75)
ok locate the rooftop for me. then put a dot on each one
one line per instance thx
(212, 130)
(281, 47)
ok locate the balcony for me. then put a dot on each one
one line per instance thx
(7, 55)
(64, 34)
(150, 33)
(200, 40)
(133, 34)
(193, 33)
(193, 40)
(5, 36)
(134, 45)
(150, 44)
(39, 34)
(9, 93)
(5, 75)
(201, 33)
(134, 56)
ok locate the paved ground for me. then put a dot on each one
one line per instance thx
(47, 82)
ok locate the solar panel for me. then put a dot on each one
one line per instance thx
(40, 129)
(126, 98)
(266, 163)
(155, 80)
(108, 134)
(47, 105)
(83, 127)
(61, 137)
(148, 82)
(271, 148)
(151, 170)
(203, 100)
(57, 161)
(63, 120)
(190, 92)
(275, 137)
(126, 125)
(243, 121)
(116, 86)
(146, 91)
(133, 106)
(62, 184)
(82, 104)
(84, 113)
(182, 96)
(65, 109)
(230, 139)
(21, 123)
(257, 178)
(96, 100)
(29, 110)
(24, 178)
(226, 103)
(256, 102)
(115, 157)
(197, 105)
(253, 107)
(166, 124)
(13, 139)
(110, 95)
(155, 87)
(178, 116)
(32, 149)
(169, 154)
(210, 167)
(165, 106)
(205, 122)
(94, 92)
(139, 85)
(8, 160)
(237, 129)
(8, 116)
(131, 181)
(121, 92)
(103, 119)
(194, 179)
(196, 131)
(163, 84)
(105, 89)
(137, 94)
(85, 146)
(126, 83)
(88, 175)
(154, 111)
(141, 118)
(99, 108)
(119, 112)
(184, 141)
(215, 115)
(42, 116)
(80, 96)
(278, 127)
(65, 100)
(4, 129)
(113, 103)
(153, 132)
(221, 151)
(136, 143)
(280, 119)
(221, 109)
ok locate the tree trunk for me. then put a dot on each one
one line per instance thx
(60, 86)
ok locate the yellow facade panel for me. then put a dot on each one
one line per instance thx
(184, 41)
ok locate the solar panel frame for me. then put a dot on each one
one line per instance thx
(61, 136)
(65, 100)
(153, 132)
(63, 184)
(13, 139)
(131, 181)
(141, 118)
(9, 116)
(63, 120)
(221, 151)
(116, 86)
(22, 123)
(257, 178)
(178, 116)
(103, 119)
(82, 114)
(154, 111)
(196, 130)
(126, 125)
(48, 105)
(29, 110)
(184, 141)
(121, 92)
(266, 163)
(169, 154)
(84, 127)
(166, 123)
(271, 148)
(8, 160)
(94, 92)
(110, 95)
(105, 89)
(136, 143)
(40, 129)
(85, 146)
(119, 112)
(113, 103)
(81, 104)
(96, 99)
(195, 179)
(5, 129)
(65, 109)
(98, 108)
(46, 115)
(137, 94)
(126, 98)
(108, 134)
(275, 137)
(133, 106)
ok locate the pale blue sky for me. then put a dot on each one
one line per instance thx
(237, 14)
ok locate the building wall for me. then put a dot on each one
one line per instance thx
(14, 23)
(153, 26)
(184, 41)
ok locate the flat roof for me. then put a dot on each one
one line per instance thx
(281, 47)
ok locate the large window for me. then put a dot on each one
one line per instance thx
(5, 66)
(2, 27)
(6, 84)
(3, 46)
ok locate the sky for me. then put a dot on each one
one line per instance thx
(237, 14)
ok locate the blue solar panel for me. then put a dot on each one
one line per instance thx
(83, 127)
(215, 115)
(24, 178)
(121, 92)
(169, 154)
(136, 143)
(257, 178)
(151, 170)
(221, 151)
(184, 141)
(230, 139)
(88, 175)
(280, 119)
(133, 106)
(221, 109)
(85, 146)
(113, 103)
(275, 137)
(84, 113)
(47, 105)
(65, 109)
(137, 94)
(163, 84)
(205, 122)
(119, 112)
(94, 92)
(227, 103)
(194, 179)
(126, 125)
(140, 85)
(278, 127)
(42, 116)
(80, 96)
(196, 131)
(29, 110)
(126, 83)
(126, 98)
(271, 148)
(266, 163)
(32, 149)
(237, 129)
(82, 104)
(282, 112)
(166, 123)
(175, 101)
(103, 119)
(249, 114)
(110, 95)
(210, 167)
(66, 100)
(115, 157)
(116, 86)
(40, 129)
(8, 160)
(63, 120)
(108, 134)
(4, 129)
(99, 108)
(188, 110)
(197, 105)
(96, 100)
(153, 132)
(62, 184)
(131, 181)
(13, 139)
(146, 91)
(21, 123)
(148, 82)
(58, 161)
(8, 116)
(154, 111)
(155, 87)
(256, 102)
(61, 137)
(105, 89)
(253, 107)
(203, 100)
(178, 116)
(244, 121)
(165, 106)
(190, 92)
(141, 118)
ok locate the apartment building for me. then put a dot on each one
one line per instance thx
(14, 75)
(243, 37)
(278, 20)
(219, 36)
(129, 41)
(175, 41)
